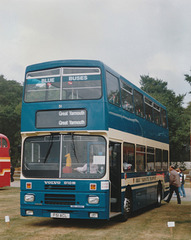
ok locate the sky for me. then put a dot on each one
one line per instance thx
(134, 37)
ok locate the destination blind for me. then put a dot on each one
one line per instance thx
(61, 118)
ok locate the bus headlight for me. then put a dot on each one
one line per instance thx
(93, 199)
(29, 198)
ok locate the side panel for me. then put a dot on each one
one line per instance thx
(144, 188)
(4, 161)
(4, 172)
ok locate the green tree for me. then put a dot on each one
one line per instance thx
(177, 120)
(10, 114)
(188, 79)
(187, 117)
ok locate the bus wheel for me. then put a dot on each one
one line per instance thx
(127, 207)
(159, 196)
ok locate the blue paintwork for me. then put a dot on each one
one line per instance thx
(101, 115)
(80, 209)
(145, 196)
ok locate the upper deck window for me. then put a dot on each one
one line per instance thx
(63, 84)
(113, 93)
(127, 97)
(148, 109)
(81, 83)
(163, 118)
(138, 101)
(156, 111)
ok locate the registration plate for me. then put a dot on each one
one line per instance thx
(60, 215)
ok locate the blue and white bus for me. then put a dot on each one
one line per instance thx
(94, 146)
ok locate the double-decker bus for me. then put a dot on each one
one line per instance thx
(94, 146)
(4, 161)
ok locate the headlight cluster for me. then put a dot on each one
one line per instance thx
(29, 198)
(93, 199)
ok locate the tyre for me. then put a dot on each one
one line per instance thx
(127, 207)
(159, 196)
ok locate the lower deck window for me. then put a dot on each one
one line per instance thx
(165, 160)
(150, 159)
(128, 157)
(158, 159)
(140, 158)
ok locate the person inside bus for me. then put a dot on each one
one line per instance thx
(93, 168)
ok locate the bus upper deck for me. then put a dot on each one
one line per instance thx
(84, 95)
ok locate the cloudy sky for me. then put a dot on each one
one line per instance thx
(134, 37)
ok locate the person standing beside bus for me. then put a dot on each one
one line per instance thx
(174, 184)
(12, 173)
(182, 180)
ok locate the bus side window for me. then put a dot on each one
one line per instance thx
(148, 110)
(165, 160)
(156, 112)
(113, 92)
(128, 157)
(163, 118)
(140, 158)
(139, 106)
(126, 97)
(150, 159)
(158, 159)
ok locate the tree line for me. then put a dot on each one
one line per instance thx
(10, 115)
(179, 118)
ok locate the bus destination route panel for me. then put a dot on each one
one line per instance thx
(61, 118)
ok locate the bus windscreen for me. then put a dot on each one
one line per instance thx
(64, 156)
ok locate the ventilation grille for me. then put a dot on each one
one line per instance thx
(60, 187)
(60, 199)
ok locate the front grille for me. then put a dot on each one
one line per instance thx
(60, 199)
(60, 187)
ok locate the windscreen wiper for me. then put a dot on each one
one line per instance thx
(50, 146)
(74, 148)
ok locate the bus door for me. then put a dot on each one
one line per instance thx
(115, 175)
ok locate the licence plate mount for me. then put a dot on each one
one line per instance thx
(59, 215)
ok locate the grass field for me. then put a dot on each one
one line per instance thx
(148, 224)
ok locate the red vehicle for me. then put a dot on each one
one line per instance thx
(4, 161)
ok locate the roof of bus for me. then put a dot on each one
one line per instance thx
(62, 63)
(85, 63)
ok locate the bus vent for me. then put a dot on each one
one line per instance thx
(60, 199)
(60, 187)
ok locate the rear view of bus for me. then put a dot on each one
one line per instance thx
(4, 161)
